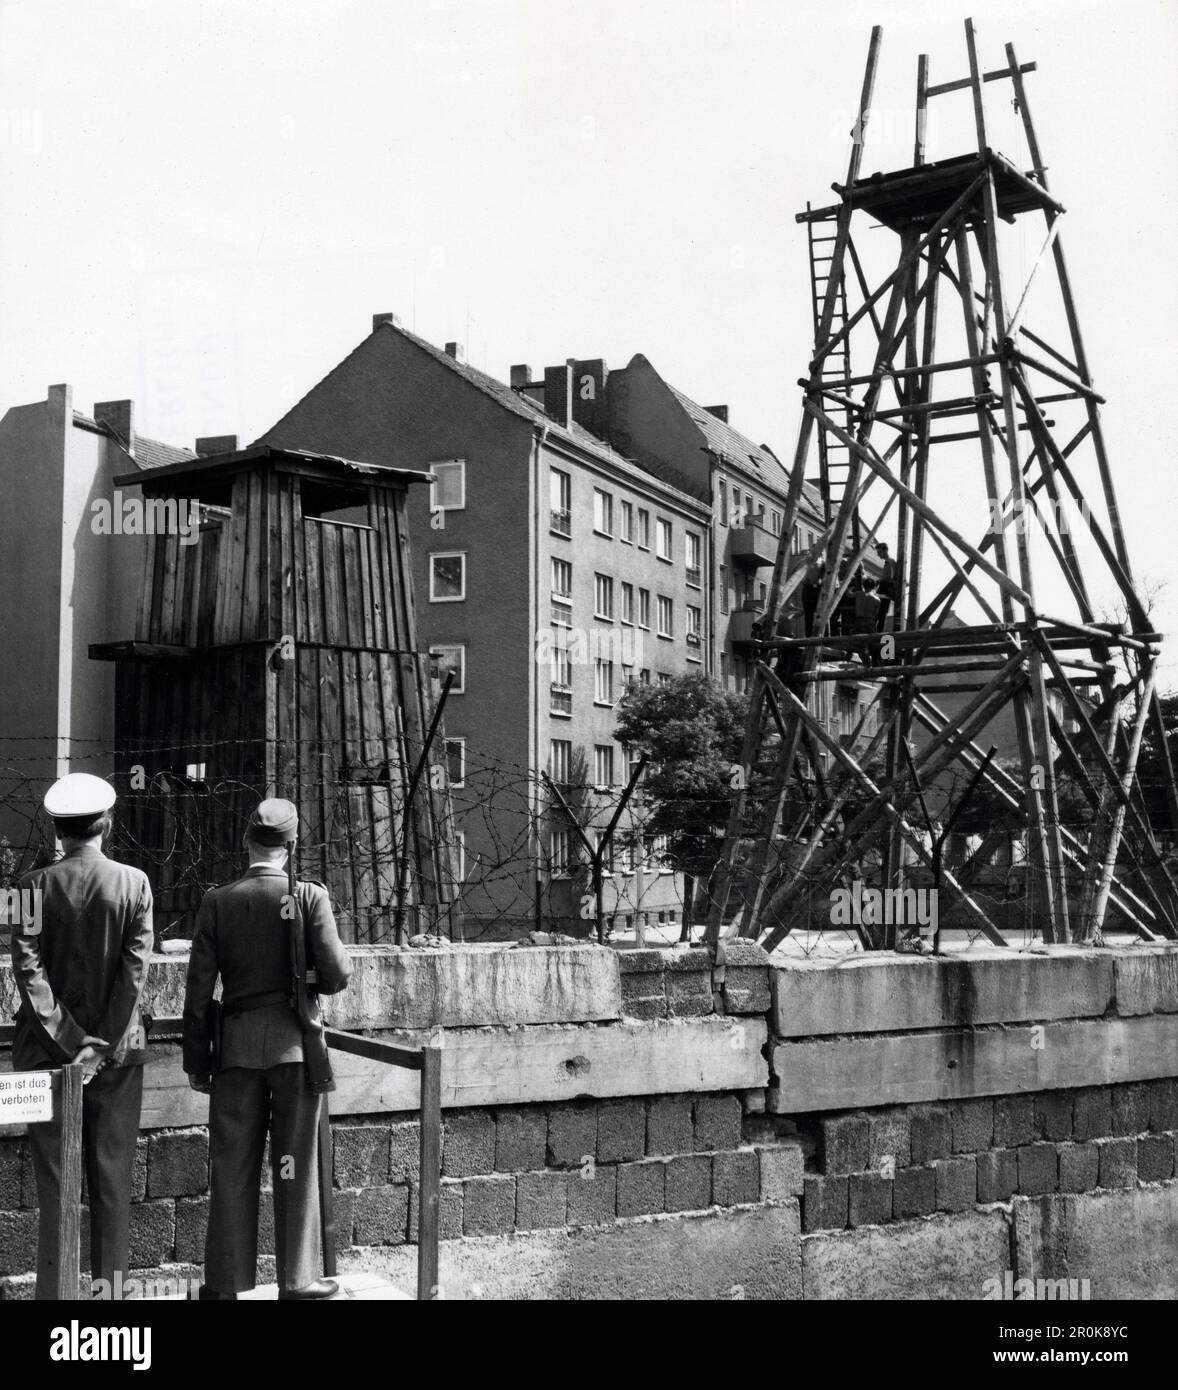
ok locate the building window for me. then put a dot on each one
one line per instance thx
(795, 542)
(643, 529)
(560, 758)
(447, 577)
(558, 853)
(459, 856)
(627, 602)
(607, 857)
(603, 682)
(560, 487)
(626, 522)
(562, 578)
(724, 670)
(456, 762)
(644, 677)
(660, 854)
(447, 493)
(561, 690)
(692, 548)
(633, 758)
(644, 608)
(723, 588)
(693, 625)
(603, 766)
(666, 627)
(775, 523)
(603, 512)
(448, 657)
(603, 597)
(664, 679)
(722, 490)
(663, 539)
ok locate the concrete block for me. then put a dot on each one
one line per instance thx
(644, 995)
(360, 1155)
(1146, 980)
(889, 1138)
(382, 1215)
(488, 1206)
(1155, 1158)
(668, 1126)
(739, 1253)
(997, 1175)
(824, 1203)
(823, 1075)
(1130, 1109)
(12, 1159)
(468, 1145)
(971, 1125)
(876, 993)
(138, 1171)
(265, 1224)
(1163, 1105)
(717, 1123)
(592, 1196)
(178, 1164)
(957, 1183)
(1118, 1162)
(736, 1178)
(343, 1202)
(1053, 1115)
(541, 1199)
(641, 1187)
(404, 1150)
(844, 1143)
(689, 995)
(1079, 1167)
(781, 1171)
(747, 991)
(449, 1210)
(1038, 1169)
(18, 1241)
(1014, 1121)
(915, 1192)
(521, 1140)
(192, 1218)
(941, 1257)
(475, 986)
(621, 1130)
(869, 1199)
(1092, 1112)
(931, 1132)
(572, 1135)
(688, 1183)
(153, 1233)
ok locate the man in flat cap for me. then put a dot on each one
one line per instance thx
(258, 1080)
(80, 972)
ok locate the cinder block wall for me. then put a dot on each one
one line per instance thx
(654, 1124)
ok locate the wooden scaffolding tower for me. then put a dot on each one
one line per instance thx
(1080, 691)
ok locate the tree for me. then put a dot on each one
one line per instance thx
(691, 730)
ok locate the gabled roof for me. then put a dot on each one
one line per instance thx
(149, 453)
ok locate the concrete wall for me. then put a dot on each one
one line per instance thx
(646, 1124)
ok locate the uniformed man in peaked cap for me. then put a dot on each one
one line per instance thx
(257, 1079)
(80, 972)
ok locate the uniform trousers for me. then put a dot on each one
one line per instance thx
(111, 1103)
(245, 1102)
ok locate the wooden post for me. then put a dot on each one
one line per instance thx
(429, 1173)
(69, 1245)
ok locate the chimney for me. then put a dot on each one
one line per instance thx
(378, 319)
(455, 351)
(120, 416)
(521, 374)
(589, 378)
(558, 393)
(719, 411)
(216, 444)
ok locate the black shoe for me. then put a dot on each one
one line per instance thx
(321, 1288)
(207, 1295)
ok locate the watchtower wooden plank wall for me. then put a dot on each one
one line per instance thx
(277, 656)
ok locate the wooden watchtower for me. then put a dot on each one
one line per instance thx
(277, 656)
(957, 402)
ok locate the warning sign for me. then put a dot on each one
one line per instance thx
(26, 1097)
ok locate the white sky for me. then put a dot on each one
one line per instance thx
(202, 204)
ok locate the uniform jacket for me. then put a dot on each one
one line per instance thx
(84, 973)
(242, 936)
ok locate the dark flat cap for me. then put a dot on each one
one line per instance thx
(274, 822)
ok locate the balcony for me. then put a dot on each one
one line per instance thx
(694, 576)
(753, 544)
(561, 523)
(740, 626)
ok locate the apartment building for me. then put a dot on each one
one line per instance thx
(549, 570)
